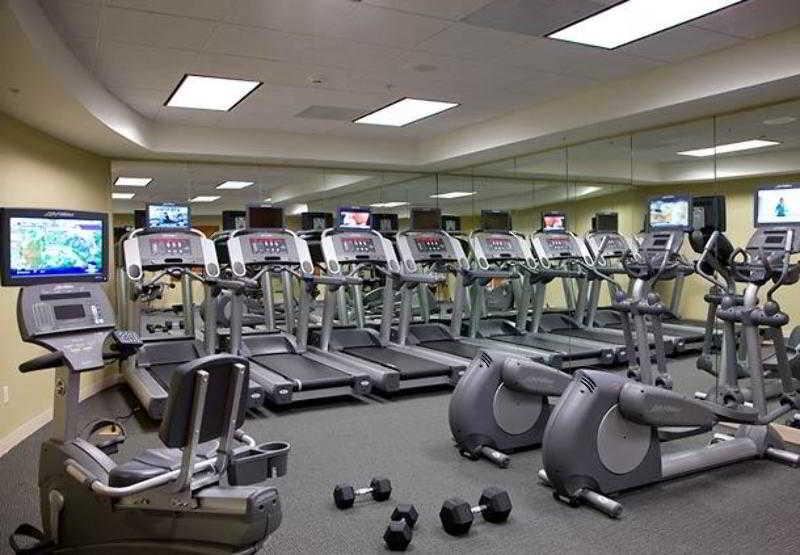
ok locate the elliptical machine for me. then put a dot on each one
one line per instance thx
(502, 404)
(603, 436)
(164, 501)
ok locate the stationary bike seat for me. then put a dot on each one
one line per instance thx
(153, 462)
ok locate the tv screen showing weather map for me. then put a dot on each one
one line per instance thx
(168, 215)
(45, 249)
(778, 206)
(670, 213)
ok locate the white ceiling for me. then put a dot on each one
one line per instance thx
(369, 53)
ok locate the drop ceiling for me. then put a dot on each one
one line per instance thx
(355, 56)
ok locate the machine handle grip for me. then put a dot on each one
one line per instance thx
(43, 362)
(421, 278)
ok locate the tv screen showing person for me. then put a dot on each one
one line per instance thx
(354, 217)
(554, 221)
(776, 206)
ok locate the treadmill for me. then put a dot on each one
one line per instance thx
(170, 253)
(349, 249)
(428, 248)
(496, 246)
(280, 360)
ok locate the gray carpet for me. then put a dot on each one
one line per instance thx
(746, 508)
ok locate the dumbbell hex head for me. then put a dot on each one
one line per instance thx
(456, 516)
(496, 505)
(398, 535)
(406, 512)
(344, 495)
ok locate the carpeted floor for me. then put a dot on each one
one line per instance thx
(745, 508)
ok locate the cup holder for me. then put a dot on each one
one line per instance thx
(259, 463)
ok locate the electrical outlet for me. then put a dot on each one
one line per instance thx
(5, 395)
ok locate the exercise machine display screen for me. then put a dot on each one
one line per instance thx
(451, 223)
(670, 212)
(554, 221)
(234, 219)
(268, 245)
(316, 221)
(41, 246)
(169, 215)
(69, 311)
(358, 245)
(495, 220)
(385, 222)
(499, 243)
(170, 246)
(606, 221)
(426, 219)
(430, 243)
(778, 206)
(559, 243)
(353, 217)
(265, 217)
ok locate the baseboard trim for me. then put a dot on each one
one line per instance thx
(34, 424)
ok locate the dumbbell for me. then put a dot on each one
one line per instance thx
(457, 515)
(399, 532)
(344, 495)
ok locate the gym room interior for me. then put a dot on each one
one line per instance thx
(337, 276)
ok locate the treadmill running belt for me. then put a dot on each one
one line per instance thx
(409, 366)
(456, 348)
(163, 373)
(565, 351)
(310, 373)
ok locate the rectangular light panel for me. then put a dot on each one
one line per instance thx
(204, 198)
(636, 19)
(133, 181)
(210, 93)
(405, 111)
(730, 147)
(454, 194)
(122, 196)
(234, 184)
(388, 204)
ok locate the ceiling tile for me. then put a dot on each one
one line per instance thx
(123, 65)
(471, 42)
(151, 29)
(308, 17)
(256, 43)
(533, 17)
(753, 18)
(387, 27)
(205, 9)
(73, 19)
(446, 9)
(679, 44)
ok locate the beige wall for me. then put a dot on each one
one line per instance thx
(39, 171)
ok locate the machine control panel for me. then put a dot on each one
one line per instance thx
(500, 246)
(358, 244)
(613, 244)
(151, 251)
(773, 239)
(258, 248)
(556, 246)
(73, 318)
(431, 245)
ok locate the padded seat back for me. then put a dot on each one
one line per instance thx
(175, 427)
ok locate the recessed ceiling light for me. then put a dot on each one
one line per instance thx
(388, 204)
(405, 111)
(122, 196)
(635, 19)
(268, 199)
(204, 198)
(133, 181)
(782, 120)
(730, 147)
(234, 184)
(210, 93)
(454, 194)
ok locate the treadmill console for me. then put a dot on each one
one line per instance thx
(257, 248)
(73, 318)
(352, 246)
(148, 251)
(558, 246)
(613, 244)
(429, 246)
(499, 246)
